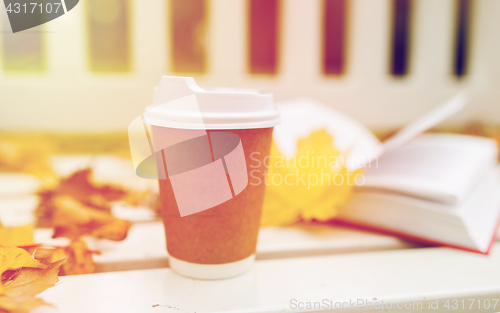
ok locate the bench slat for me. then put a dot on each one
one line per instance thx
(144, 247)
(419, 275)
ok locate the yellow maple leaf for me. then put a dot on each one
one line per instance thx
(47, 255)
(73, 219)
(79, 259)
(31, 281)
(77, 254)
(20, 291)
(308, 186)
(13, 258)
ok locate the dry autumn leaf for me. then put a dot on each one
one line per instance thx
(80, 186)
(23, 278)
(31, 281)
(20, 291)
(9, 275)
(72, 219)
(13, 258)
(295, 187)
(98, 196)
(77, 254)
(78, 207)
(47, 255)
(79, 259)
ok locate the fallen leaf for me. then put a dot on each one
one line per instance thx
(98, 202)
(116, 230)
(48, 255)
(79, 259)
(311, 185)
(45, 209)
(14, 258)
(80, 186)
(19, 292)
(9, 275)
(77, 254)
(32, 281)
(79, 206)
(72, 219)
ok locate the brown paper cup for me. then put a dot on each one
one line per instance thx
(220, 241)
(207, 148)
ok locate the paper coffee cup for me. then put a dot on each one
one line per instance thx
(207, 146)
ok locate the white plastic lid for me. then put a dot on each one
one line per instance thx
(179, 103)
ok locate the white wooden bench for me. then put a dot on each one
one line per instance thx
(308, 263)
(144, 247)
(416, 276)
(298, 265)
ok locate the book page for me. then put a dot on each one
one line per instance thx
(427, 121)
(438, 167)
(470, 224)
(358, 145)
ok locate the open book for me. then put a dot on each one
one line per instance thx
(435, 188)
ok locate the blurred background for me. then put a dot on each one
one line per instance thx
(383, 62)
